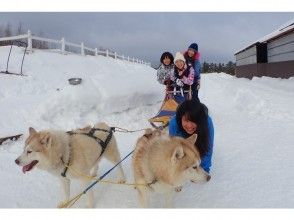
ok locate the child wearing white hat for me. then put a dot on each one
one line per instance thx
(183, 77)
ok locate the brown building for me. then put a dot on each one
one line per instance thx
(272, 55)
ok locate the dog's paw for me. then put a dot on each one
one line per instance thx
(179, 188)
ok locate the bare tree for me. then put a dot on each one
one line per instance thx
(7, 31)
(1, 31)
(1, 34)
(20, 29)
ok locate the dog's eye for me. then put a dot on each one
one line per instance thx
(28, 152)
(195, 168)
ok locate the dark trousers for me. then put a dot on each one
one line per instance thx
(195, 95)
(179, 98)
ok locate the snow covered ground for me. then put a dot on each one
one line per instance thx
(254, 124)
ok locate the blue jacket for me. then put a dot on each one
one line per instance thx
(197, 69)
(174, 130)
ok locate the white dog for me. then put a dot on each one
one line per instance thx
(163, 164)
(79, 150)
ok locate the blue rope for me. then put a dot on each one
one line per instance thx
(105, 174)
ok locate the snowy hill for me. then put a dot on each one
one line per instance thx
(254, 124)
(46, 97)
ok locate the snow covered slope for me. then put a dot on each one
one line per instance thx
(46, 97)
(254, 124)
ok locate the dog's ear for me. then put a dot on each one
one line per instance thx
(192, 139)
(46, 139)
(148, 131)
(157, 132)
(177, 154)
(32, 131)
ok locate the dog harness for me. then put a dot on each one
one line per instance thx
(91, 133)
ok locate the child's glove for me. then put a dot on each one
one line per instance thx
(179, 83)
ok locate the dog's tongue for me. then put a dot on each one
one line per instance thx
(25, 168)
(29, 166)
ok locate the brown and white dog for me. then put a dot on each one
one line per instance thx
(162, 164)
(53, 150)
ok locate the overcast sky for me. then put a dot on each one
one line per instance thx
(147, 35)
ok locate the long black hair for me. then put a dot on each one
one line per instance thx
(196, 112)
(167, 54)
(189, 60)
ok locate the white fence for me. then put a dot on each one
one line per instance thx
(65, 47)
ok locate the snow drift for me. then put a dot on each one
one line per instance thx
(45, 96)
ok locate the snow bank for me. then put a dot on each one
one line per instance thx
(45, 98)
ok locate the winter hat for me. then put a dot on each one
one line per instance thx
(194, 46)
(179, 56)
(167, 54)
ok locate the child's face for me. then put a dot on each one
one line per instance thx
(180, 64)
(191, 52)
(166, 61)
(189, 126)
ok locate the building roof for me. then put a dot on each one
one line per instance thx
(284, 29)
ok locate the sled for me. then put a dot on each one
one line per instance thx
(167, 109)
(19, 44)
(9, 73)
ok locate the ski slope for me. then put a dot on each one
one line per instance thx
(253, 120)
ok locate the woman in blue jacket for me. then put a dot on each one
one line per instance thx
(192, 57)
(192, 117)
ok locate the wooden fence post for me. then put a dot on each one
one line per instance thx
(30, 42)
(63, 45)
(82, 49)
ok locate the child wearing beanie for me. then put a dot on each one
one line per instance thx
(192, 59)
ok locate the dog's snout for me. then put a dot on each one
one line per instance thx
(208, 178)
(17, 161)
